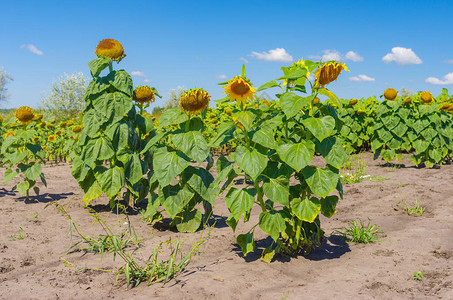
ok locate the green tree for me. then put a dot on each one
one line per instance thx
(4, 79)
(65, 99)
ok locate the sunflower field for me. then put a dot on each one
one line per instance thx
(180, 162)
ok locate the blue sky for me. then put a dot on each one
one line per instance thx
(200, 43)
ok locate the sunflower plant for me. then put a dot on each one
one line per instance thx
(109, 140)
(22, 153)
(177, 150)
(274, 157)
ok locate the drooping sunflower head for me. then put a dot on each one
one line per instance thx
(77, 129)
(328, 72)
(267, 103)
(42, 124)
(407, 101)
(228, 111)
(360, 111)
(51, 138)
(63, 124)
(70, 123)
(24, 115)
(390, 94)
(316, 101)
(239, 89)
(110, 48)
(353, 102)
(71, 137)
(426, 97)
(143, 94)
(9, 133)
(49, 126)
(445, 106)
(194, 101)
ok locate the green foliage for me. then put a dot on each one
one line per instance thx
(414, 209)
(358, 232)
(418, 275)
(20, 236)
(65, 99)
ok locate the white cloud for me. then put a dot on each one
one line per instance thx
(361, 78)
(337, 56)
(354, 56)
(146, 80)
(221, 76)
(402, 57)
(331, 55)
(244, 60)
(448, 61)
(138, 73)
(32, 49)
(278, 54)
(447, 79)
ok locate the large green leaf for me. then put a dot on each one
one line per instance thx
(9, 175)
(265, 137)
(192, 144)
(121, 81)
(252, 162)
(112, 181)
(97, 65)
(277, 190)
(168, 165)
(79, 169)
(119, 134)
(239, 202)
(268, 85)
(246, 242)
(32, 170)
(188, 221)
(420, 146)
(321, 181)
(333, 152)
(174, 198)
(172, 116)
(94, 191)
(273, 223)
(320, 127)
(291, 104)
(307, 209)
(113, 106)
(328, 205)
(297, 156)
(200, 180)
(92, 122)
(223, 134)
(133, 169)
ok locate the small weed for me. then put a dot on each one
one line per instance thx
(418, 275)
(403, 184)
(358, 232)
(357, 168)
(35, 216)
(19, 236)
(415, 209)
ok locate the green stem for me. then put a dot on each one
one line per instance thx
(260, 196)
(298, 228)
(110, 67)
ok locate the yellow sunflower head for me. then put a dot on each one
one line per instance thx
(51, 138)
(390, 94)
(353, 102)
(9, 133)
(77, 129)
(194, 101)
(239, 89)
(35, 139)
(44, 148)
(49, 126)
(360, 111)
(143, 94)
(71, 137)
(63, 124)
(407, 101)
(110, 48)
(328, 72)
(58, 132)
(42, 124)
(445, 106)
(267, 103)
(316, 101)
(70, 123)
(228, 111)
(24, 115)
(426, 97)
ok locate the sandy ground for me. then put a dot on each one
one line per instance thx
(32, 268)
